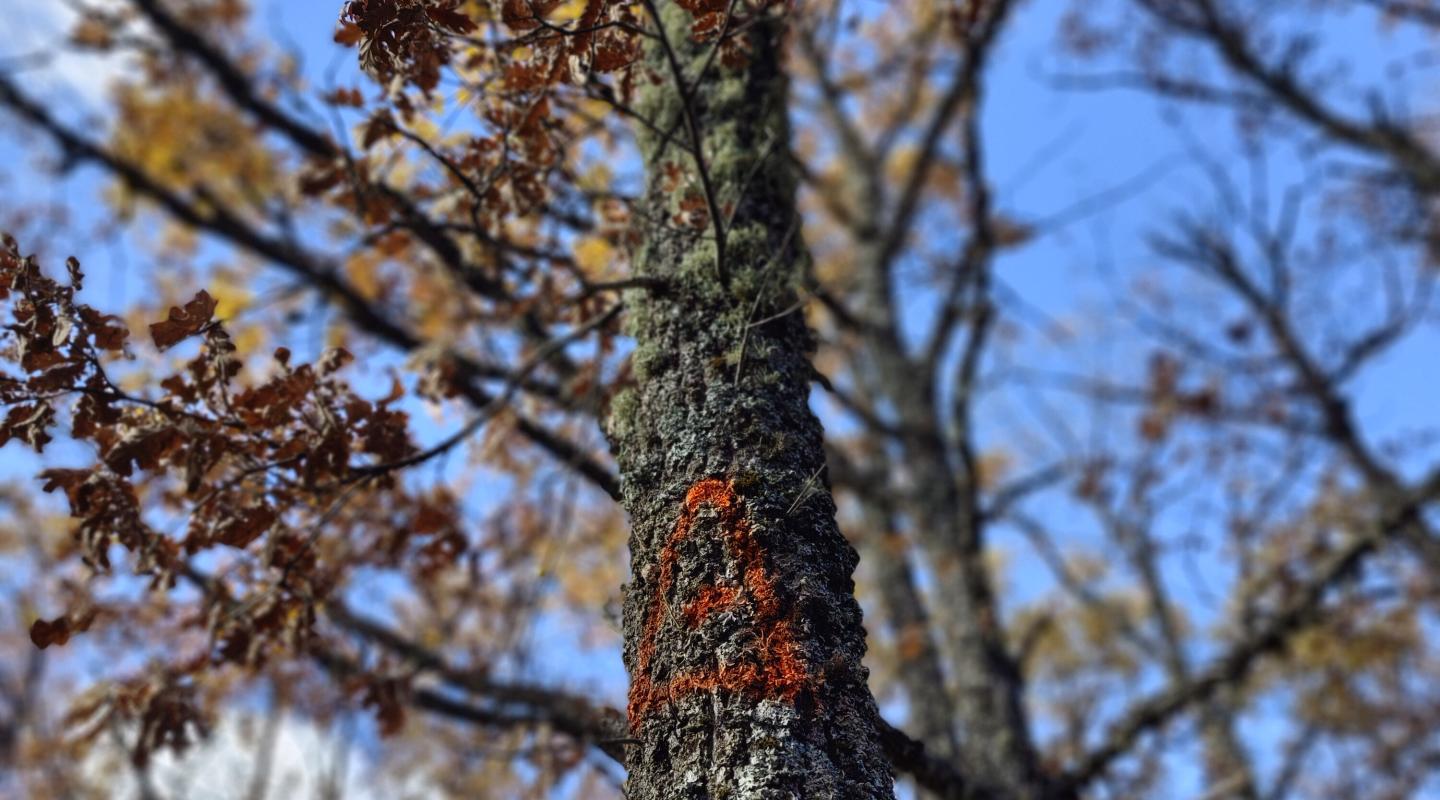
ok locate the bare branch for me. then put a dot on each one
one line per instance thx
(1268, 637)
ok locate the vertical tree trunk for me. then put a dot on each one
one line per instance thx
(932, 715)
(742, 636)
(995, 747)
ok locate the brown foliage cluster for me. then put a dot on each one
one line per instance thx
(259, 467)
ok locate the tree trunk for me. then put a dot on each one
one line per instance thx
(932, 715)
(743, 639)
(995, 748)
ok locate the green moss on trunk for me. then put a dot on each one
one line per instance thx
(743, 638)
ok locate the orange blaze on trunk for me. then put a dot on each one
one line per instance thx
(780, 673)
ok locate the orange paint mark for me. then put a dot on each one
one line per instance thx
(712, 599)
(781, 673)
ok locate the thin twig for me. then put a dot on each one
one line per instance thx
(697, 142)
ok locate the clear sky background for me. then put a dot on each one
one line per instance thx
(1108, 165)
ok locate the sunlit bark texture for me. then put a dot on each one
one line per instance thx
(743, 639)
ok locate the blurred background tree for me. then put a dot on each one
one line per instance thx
(1125, 346)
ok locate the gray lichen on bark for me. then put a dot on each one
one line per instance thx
(761, 693)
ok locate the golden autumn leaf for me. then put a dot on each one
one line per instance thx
(596, 257)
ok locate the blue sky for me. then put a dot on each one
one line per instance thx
(1093, 142)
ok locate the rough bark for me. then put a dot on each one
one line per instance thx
(743, 638)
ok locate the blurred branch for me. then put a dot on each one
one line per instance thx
(501, 400)
(235, 83)
(1044, 545)
(21, 699)
(961, 92)
(937, 775)
(1426, 13)
(515, 704)
(1010, 495)
(1131, 523)
(593, 724)
(1398, 508)
(1205, 249)
(1292, 763)
(1267, 637)
(931, 710)
(1232, 42)
(862, 166)
(258, 786)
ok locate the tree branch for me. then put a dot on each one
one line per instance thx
(1267, 638)
(315, 271)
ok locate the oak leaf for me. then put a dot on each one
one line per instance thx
(184, 322)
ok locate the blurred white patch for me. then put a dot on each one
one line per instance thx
(305, 761)
(38, 51)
